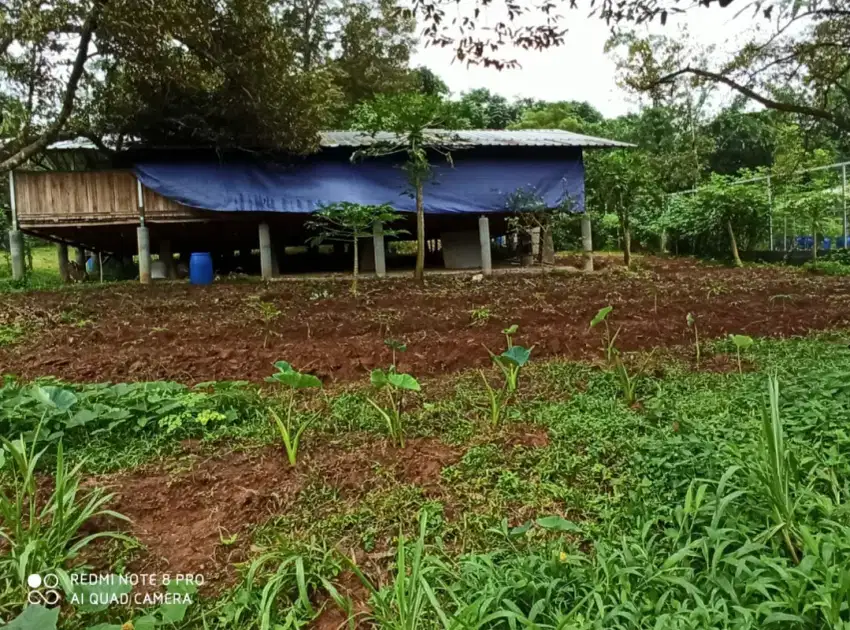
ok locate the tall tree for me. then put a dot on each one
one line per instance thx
(410, 121)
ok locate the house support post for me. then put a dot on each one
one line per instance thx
(484, 240)
(16, 251)
(265, 252)
(587, 242)
(378, 247)
(62, 259)
(143, 237)
(80, 257)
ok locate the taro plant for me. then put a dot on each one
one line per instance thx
(395, 346)
(628, 382)
(510, 362)
(692, 324)
(608, 340)
(292, 427)
(394, 384)
(41, 526)
(741, 342)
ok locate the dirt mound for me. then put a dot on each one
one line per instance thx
(196, 516)
(234, 331)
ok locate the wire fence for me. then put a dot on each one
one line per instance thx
(821, 191)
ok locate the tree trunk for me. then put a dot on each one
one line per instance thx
(52, 131)
(814, 240)
(547, 246)
(734, 244)
(419, 272)
(356, 267)
(627, 240)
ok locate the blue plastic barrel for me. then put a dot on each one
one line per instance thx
(200, 268)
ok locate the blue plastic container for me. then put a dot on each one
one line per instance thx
(200, 268)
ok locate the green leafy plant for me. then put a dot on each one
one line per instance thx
(510, 363)
(628, 382)
(41, 528)
(692, 324)
(479, 316)
(292, 426)
(776, 471)
(608, 340)
(741, 342)
(406, 602)
(348, 222)
(512, 360)
(395, 346)
(394, 384)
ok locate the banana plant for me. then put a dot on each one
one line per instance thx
(395, 384)
(510, 362)
(292, 428)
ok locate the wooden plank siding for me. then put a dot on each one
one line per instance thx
(89, 197)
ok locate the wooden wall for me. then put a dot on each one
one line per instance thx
(47, 198)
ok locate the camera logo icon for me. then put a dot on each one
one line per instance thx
(44, 589)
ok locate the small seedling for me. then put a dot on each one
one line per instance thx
(479, 316)
(510, 362)
(608, 340)
(394, 384)
(628, 382)
(742, 342)
(395, 346)
(291, 429)
(692, 324)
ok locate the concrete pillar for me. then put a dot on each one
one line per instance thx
(484, 240)
(80, 257)
(378, 246)
(587, 242)
(143, 237)
(535, 242)
(265, 252)
(16, 250)
(167, 257)
(62, 260)
(96, 271)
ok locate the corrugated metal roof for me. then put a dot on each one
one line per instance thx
(457, 139)
(478, 138)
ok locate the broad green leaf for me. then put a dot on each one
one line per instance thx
(378, 378)
(148, 622)
(35, 617)
(741, 341)
(517, 355)
(690, 320)
(558, 524)
(174, 613)
(83, 416)
(108, 626)
(519, 530)
(600, 316)
(56, 397)
(283, 366)
(403, 381)
(297, 380)
(511, 330)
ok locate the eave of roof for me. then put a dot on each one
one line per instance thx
(447, 138)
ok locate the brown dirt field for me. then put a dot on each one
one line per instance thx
(174, 331)
(183, 512)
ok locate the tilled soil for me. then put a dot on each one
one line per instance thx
(234, 331)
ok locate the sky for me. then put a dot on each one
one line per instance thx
(580, 70)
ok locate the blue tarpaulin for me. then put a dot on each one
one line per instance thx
(472, 185)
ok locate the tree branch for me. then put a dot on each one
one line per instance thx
(814, 112)
(56, 126)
